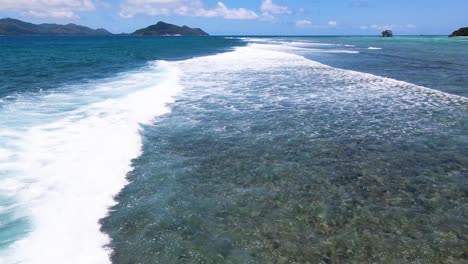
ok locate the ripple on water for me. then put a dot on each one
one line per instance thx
(271, 158)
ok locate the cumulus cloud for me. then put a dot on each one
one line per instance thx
(50, 14)
(222, 11)
(269, 7)
(195, 8)
(303, 23)
(309, 24)
(381, 27)
(48, 8)
(267, 17)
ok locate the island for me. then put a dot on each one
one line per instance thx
(10, 26)
(166, 29)
(462, 32)
(15, 27)
(387, 34)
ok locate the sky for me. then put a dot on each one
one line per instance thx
(252, 17)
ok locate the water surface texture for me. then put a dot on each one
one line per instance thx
(236, 150)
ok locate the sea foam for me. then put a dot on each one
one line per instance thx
(65, 164)
(70, 155)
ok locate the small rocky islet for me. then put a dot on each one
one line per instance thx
(462, 32)
(387, 34)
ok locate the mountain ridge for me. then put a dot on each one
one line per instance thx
(16, 27)
(11, 26)
(165, 29)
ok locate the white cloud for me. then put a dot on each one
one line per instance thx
(50, 14)
(195, 8)
(48, 8)
(309, 24)
(267, 17)
(377, 27)
(303, 23)
(129, 8)
(269, 7)
(103, 4)
(222, 11)
(407, 27)
(381, 27)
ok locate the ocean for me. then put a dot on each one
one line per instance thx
(233, 150)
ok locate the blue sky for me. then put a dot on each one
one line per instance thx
(248, 17)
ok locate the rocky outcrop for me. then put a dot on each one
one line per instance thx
(387, 33)
(462, 32)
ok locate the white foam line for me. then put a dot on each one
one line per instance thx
(286, 48)
(264, 56)
(255, 48)
(308, 44)
(67, 171)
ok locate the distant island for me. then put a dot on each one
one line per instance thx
(462, 32)
(165, 29)
(15, 27)
(10, 26)
(387, 34)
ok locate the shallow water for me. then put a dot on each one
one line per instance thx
(258, 154)
(268, 157)
(71, 111)
(437, 62)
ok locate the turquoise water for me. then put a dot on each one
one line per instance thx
(435, 62)
(31, 64)
(233, 150)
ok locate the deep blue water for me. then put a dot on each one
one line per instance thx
(233, 150)
(31, 64)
